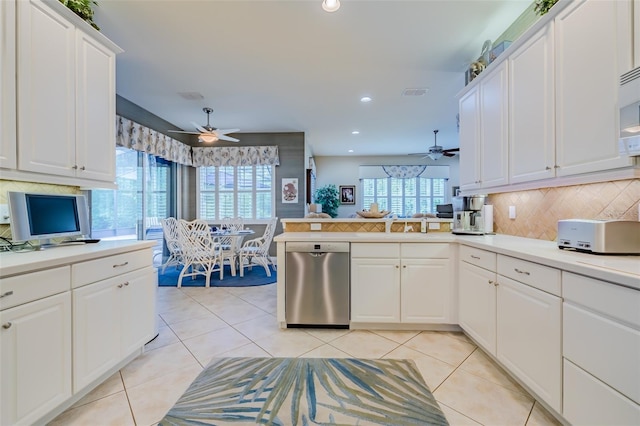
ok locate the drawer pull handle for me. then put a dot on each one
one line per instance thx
(521, 272)
(121, 265)
(6, 293)
(475, 257)
(7, 325)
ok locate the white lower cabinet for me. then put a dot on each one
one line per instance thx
(400, 283)
(112, 319)
(601, 349)
(477, 296)
(35, 358)
(530, 339)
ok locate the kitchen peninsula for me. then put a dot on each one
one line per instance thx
(564, 324)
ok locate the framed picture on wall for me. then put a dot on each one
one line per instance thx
(347, 194)
(290, 190)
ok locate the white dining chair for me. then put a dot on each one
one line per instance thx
(229, 244)
(256, 251)
(202, 255)
(170, 231)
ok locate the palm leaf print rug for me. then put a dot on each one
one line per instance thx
(307, 391)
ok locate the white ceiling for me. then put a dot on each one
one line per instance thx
(288, 66)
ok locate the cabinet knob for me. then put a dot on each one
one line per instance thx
(397, 267)
(126, 283)
(83, 168)
(6, 293)
(556, 167)
(7, 325)
(404, 266)
(120, 285)
(75, 167)
(547, 168)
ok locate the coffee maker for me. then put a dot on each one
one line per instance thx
(467, 214)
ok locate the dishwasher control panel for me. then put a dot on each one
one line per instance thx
(315, 247)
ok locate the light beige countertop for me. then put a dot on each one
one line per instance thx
(624, 270)
(22, 262)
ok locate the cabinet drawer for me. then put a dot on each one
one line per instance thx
(533, 274)
(25, 288)
(482, 258)
(96, 270)
(424, 251)
(605, 348)
(588, 401)
(384, 250)
(617, 302)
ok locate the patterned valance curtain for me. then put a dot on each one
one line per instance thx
(236, 156)
(404, 172)
(383, 172)
(130, 134)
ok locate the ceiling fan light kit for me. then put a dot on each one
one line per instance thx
(208, 133)
(330, 5)
(436, 152)
(434, 155)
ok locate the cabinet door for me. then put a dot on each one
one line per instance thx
(470, 140)
(532, 109)
(424, 291)
(636, 33)
(138, 310)
(494, 151)
(529, 338)
(35, 358)
(587, 88)
(96, 330)
(477, 305)
(375, 290)
(46, 90)
(8, 158)
(95, 102)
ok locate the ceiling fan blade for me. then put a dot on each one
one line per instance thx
(226, 131)
(228, 138)
(448, 154)
(452, 150)
(419, 153)
(199, 127)
(182, 131)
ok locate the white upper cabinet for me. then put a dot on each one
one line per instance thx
(65, 95)
(470, 140)
(532, 109)
(636, 33)
(8, 158)
(494, 149)
(483, 132)
(587, 70)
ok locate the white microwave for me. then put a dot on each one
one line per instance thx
(629, 101)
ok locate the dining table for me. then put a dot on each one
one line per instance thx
(231, 239)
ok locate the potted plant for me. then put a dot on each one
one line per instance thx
(327, 196)
(82, 8)
(543, 6)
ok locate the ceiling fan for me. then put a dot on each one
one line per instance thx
(436, 151)
(209, 133)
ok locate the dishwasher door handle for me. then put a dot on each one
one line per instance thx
(317, 254)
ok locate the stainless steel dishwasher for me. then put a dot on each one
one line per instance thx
(317, 284)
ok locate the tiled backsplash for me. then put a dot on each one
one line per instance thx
(538, 210)
(12, 185)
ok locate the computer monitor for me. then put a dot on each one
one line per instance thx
(36, 216)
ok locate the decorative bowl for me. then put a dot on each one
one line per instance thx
(373, 215)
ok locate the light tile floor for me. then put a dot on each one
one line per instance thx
(197, 324)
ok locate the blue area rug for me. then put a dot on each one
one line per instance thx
(254, 277)
(307, 391)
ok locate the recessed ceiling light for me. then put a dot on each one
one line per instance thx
(365, 99)
(355, 132)
(350, 150)
(330, 5)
